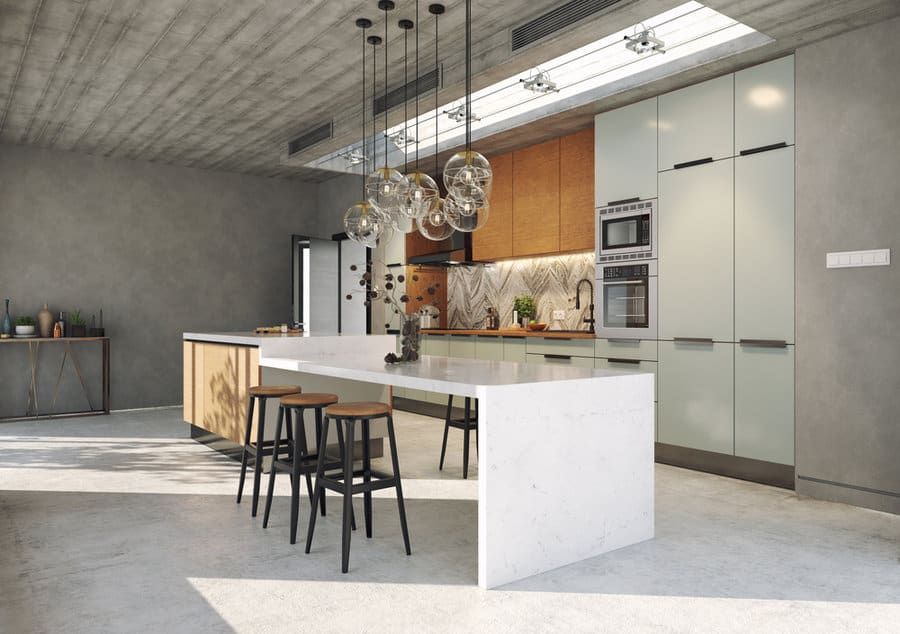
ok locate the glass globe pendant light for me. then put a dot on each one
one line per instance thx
(468, 175)
(362, 222)
(433, 223)
(385, 187)
(422, 189)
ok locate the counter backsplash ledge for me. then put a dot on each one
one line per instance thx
(550, 280)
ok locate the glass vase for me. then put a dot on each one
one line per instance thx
(409, 337)
(6, 325)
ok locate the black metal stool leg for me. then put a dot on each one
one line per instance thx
(367, 477)
(275, 449)
(319, 490)
(348, 495)
(319, 444)
(300, 451)
(466, 417)
(257, 465)
(396, 466)
(340, 436)
(244, 452)
(446, 430)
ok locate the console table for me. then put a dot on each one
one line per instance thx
(32, 406)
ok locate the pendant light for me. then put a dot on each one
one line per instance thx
(386, 187)
(422, 188)
(433, 223)
(407, 212)
(362, 222)
(468, 175)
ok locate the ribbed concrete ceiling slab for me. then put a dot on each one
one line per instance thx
(224, 84)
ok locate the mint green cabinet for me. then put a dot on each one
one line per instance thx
(696, 396)
(625, 153)
(696, 122)
(434, 345)
(764, 403)
(627, 364)
(764, 245)
(489, 348)
(764, 105)
(514, 349)
(461, 346)
(579, 362)
(696, 252)
(640, 349)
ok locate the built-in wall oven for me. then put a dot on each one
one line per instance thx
(627, 300)
(626, 231)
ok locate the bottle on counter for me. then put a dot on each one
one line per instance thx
(62, 324)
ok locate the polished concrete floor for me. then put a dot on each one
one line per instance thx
(123, 524)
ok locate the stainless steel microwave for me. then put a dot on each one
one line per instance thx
(626, 231)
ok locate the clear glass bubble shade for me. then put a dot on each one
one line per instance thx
(467, 169)
(467, 214)
(433, 224)
(386, 188)
(421, 192)
(364, 224)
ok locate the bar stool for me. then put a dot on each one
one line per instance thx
(466, 423)
(349, 414)
(297, 460)
(261, 447)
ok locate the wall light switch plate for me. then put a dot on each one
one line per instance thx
(848, 259)
(559, 314)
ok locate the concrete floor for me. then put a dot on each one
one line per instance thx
(123, 524)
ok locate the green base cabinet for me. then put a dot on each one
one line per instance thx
(696, 395)
(489, 348)
(764, 403)
(579, 362)
(514, 349)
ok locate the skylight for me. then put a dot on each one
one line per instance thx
(693, 34)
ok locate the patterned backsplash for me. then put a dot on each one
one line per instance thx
(549, 280)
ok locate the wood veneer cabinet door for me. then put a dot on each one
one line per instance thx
(576, 191)
(495, 239)
(536, 199)
(417, 244)
(418, 280)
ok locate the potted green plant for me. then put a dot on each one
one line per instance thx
(76, 324)
(524, 307)
(24, 326)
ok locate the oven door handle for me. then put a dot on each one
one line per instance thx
(624, 282)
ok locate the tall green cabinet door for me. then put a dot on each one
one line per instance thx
(696, 396)
(696, 252)
(764, 245)
(625, 153)
(764, 403)
(696, 122)
(764, 105)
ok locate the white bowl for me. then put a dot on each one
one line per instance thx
(24, 330)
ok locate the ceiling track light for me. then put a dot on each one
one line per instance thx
(458, 114)
(644, 41)
(539, 83)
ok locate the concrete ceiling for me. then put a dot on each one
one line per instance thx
(224, 84)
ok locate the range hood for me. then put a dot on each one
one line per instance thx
(459, 253)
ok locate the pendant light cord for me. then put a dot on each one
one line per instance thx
(405, 99)
(417, 86)
(468, 78)
(436, 86)
(364, 172)
(385, 87)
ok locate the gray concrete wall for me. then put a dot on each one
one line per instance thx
(161, 249)
(334, 197)
(848, 346)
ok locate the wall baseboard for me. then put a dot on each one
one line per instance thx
(771, 473)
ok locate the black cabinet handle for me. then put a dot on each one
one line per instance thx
(565, 357)
(702, 340)
(763, 343)
(455, 335)
(612, 340)
(558, 338)
(624, 201)
(702, 161)
(631, 361)
(763, 148)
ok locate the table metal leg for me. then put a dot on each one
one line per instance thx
(106, 376)
(62, 365)
(31, 405)
(80, 378)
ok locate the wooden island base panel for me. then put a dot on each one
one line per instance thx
(220, 368)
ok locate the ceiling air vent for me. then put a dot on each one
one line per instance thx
(427, 81)
(559, 18)
(310, 138)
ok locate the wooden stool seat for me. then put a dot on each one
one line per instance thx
(311, 399)
(274, 390)
(358, 410)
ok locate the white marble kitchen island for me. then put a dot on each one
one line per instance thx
(565, 463)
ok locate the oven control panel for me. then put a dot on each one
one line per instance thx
(625, 272)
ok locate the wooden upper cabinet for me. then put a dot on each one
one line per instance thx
(536, 199)
(576, 191)
(495, 239)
